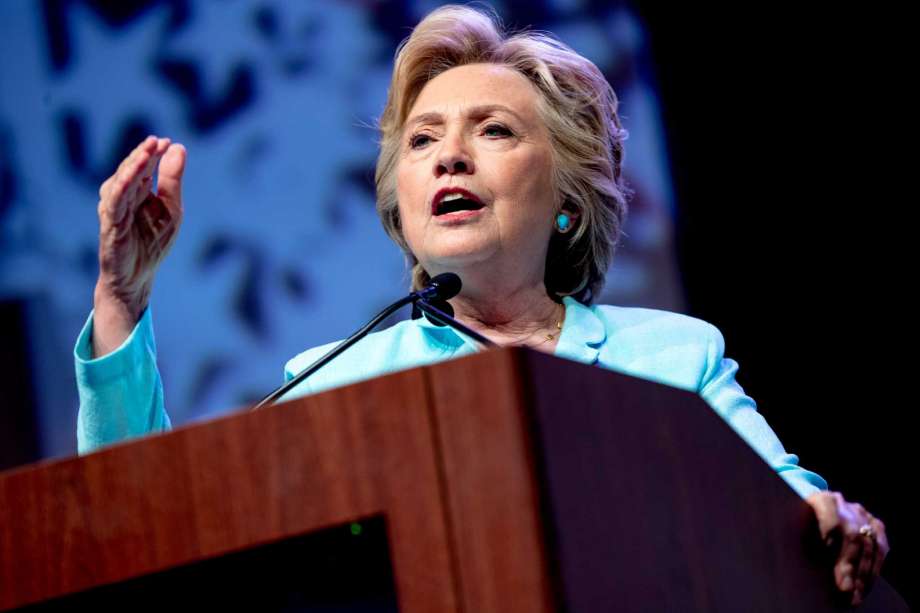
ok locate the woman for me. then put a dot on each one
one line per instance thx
(500, 161)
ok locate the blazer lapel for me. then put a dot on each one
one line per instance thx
(583, 333)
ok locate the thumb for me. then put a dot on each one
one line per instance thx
(825, 507)
(169, 176)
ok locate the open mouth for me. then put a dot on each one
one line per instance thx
(455, 200)
(457, 204)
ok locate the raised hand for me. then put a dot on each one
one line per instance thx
(137, 226)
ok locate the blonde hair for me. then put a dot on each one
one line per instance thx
(579, 109)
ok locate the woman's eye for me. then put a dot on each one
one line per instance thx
(501, 130)
(418, 140)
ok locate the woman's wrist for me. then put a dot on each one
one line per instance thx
(114, 318)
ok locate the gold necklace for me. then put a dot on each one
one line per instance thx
(547, 337)
(550, 337)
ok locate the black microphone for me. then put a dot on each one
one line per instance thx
(441, 287)
(439, 290)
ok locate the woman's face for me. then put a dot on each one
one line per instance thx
(477, 127)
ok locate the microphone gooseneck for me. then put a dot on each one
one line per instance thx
(435, 313)
(432, 300)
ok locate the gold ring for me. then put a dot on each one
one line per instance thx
(866, 530)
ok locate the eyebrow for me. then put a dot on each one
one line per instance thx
(473, 111)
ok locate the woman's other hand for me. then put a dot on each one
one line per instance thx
(137, 226)
(861, 538)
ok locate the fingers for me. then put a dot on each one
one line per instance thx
(864, 577)
(881, 549)
(848, 561)
(169, 178)
(113, 187)
(144, 146)
(148, 147)
(142, 181)
(116, 205)
(122, 193)
(162, 214)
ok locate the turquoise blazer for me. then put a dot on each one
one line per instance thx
(121, 394)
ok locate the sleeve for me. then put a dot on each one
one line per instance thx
(121, 394)
(719, 388)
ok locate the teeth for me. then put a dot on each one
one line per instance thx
(449, 197)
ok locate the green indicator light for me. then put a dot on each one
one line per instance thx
(356, 529)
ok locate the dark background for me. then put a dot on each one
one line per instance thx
(784, 136)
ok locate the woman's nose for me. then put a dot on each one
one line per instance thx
(453, 158)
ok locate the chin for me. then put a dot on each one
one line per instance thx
(460, 254)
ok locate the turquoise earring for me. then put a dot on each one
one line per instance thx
(563, 223)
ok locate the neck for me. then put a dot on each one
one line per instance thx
(507, 313)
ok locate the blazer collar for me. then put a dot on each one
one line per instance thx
(445, 336)
(583, 333)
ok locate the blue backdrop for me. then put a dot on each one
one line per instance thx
(275, 102)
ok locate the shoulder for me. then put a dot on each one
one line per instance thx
(370, 346)
(401, 346)
(655, 326)
(664, 346)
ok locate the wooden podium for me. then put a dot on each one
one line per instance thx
(509, 481)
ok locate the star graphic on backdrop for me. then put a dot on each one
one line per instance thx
(340, 40)
(219, 38)
(111, 80)
(282, 159)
